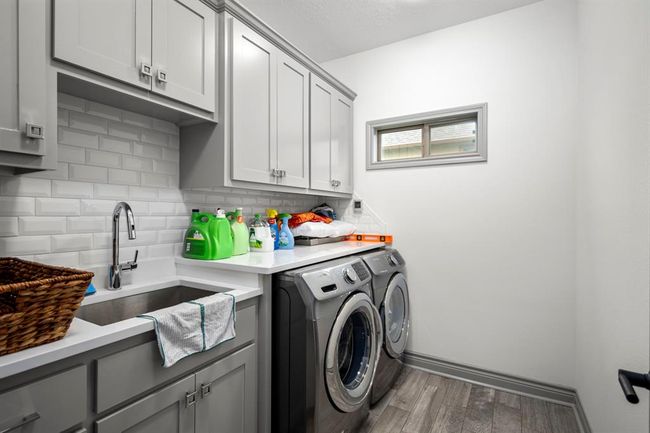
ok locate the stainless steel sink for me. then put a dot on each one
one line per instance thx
(115, 310)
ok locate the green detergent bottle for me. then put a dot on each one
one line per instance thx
(222, 236)
(199, 244)
(239, 233)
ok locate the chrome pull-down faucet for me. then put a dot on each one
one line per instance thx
(115, 270)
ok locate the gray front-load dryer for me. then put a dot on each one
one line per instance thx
(327, 338)
(391, 297)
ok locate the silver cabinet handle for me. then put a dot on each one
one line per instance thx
(190, 399)
(23, 422)
(33, 130)
(275, 172)
(336, 183)
(205, 390)
(283, 173)
(145, 70)
(161, 75)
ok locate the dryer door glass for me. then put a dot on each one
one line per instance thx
(395, 312)
(352, 353)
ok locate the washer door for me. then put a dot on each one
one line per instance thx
(396, 317)
(352, 353)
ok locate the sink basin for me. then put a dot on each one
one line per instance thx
(116, 310)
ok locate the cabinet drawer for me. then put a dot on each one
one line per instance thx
(126, 374)
(50, 405)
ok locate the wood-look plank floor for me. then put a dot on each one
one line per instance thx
(421, 402)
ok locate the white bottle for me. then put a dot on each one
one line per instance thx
(260, 237)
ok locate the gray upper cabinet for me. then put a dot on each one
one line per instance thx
(169, 410)
(269, 100)
(253, 106)
(27, 119)
(331, 139)
(164, 46)
(184, 51)
(293, 122)
(111, 37)
(228, 394)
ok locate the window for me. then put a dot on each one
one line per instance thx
(441, 137)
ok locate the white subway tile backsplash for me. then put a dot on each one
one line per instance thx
(75, 242)
(22, 245)
(62, 188)
(25, 186)
(110, 192)
(137, 119)
(106, 155)
(105, 159)
(78, 138)
(154, 137)
(143, 193)
(8, 226)
(112, 144)
(70, 260)
(37, 225)
(162, 208)
(57, 206)
(137, 164)
(147, 150)
(71, 154)
(105, 111)
(88, 173)
(16, 206)
(70, 102)
(86, 224)
(152, 179)
(86, 122)
(123, 177)
(123, 130)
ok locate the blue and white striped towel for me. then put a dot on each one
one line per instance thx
(194, 326)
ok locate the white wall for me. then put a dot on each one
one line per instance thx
(612, 213)
(63, 217)
(490, 247)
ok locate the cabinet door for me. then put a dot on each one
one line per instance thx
(23, 92)
(111, 37)
(293, 122)
(184, 51)
(322, 96)
(229, 394)
(165, 411)
(341, 144)
(253, 106)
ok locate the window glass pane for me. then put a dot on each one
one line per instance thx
(453, 138)
(402, 144)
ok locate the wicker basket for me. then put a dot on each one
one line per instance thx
(37, 302)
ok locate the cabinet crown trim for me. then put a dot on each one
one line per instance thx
(243, 14)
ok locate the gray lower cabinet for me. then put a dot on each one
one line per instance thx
(50, 405)
(228, 394)
(169, 410)
(27, 116)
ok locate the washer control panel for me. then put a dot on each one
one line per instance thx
(332, 279)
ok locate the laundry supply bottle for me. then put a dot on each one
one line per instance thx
(239, 233)
(272, 215)
(198, 242)
(260, 239)
(222, 235)
(286, 241)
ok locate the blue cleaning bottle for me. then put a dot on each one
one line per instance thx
(286, 237)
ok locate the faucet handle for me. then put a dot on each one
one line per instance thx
(129, 266)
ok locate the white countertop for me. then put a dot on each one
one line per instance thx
(84, 336)
(282, 260)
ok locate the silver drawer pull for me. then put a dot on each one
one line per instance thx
(23, 422)
(33, 130)
(205, 390)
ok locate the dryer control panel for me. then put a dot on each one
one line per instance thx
(336, 278)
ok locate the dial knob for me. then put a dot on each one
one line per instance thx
(393, 260)
(350, 276)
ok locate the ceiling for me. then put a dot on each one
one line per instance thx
(329, 29)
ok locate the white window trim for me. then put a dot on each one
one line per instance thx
(480, 155)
